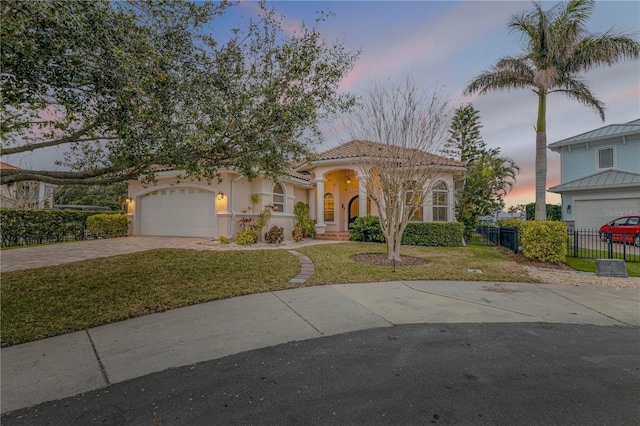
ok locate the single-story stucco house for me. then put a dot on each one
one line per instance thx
(330, 185)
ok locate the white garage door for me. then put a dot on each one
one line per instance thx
(178, 212)
(592, 214)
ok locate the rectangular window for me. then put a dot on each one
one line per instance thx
(605, 158)
(440, 206)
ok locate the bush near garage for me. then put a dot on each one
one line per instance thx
(105, 225)
(31, 227)
(431, 234)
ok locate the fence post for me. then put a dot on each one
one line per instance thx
(610, 246)
(624, 246)
(575, 243)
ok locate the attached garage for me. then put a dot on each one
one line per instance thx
(178, 212)
(592, 214)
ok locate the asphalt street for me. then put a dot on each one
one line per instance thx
(442, 374)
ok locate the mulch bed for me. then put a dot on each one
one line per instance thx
(380, 259)
(519, 258)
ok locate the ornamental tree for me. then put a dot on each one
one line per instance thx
(403, 127)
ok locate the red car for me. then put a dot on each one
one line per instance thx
(623, 229)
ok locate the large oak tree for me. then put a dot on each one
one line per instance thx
(127, 87)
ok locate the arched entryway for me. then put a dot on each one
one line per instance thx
(354, 208)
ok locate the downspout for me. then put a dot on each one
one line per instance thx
(233, 212)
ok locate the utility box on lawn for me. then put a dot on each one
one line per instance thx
(611, 268)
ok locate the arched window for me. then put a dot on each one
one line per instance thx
(329, 207)
(440, 202)
(278, 198)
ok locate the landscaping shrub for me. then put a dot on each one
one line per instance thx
(510, 223)
(247, 236)
(29, 227)
(224, 240)
(543, 241)
(107, 225)
(433, 234)
(275, 235)
(367, 229)
(297, 234)
(304, 223)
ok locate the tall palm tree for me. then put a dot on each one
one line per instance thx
(558, 49)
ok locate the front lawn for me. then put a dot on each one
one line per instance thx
(589, 265)
(46, 302)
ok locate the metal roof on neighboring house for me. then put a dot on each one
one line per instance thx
(602, 180)
(610, 131)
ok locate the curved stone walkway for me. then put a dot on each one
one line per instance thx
(306, 268)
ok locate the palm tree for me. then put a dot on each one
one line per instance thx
(559, 48)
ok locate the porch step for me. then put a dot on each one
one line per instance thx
(334, 236)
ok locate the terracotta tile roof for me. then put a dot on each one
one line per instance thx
(7, 166)
(358, 148)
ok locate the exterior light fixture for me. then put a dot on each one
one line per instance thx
(220, 195)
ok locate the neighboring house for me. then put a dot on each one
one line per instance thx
(600, 175)
(330, 185)
(27, 194)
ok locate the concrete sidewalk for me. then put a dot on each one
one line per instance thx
(62, 366)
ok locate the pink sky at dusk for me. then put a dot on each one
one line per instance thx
(445, 44)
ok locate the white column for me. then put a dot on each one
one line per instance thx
(362, 195)
(320, 226)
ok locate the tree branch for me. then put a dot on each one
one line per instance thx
(74, 137)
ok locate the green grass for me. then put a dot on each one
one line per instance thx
(336, 266)
(45, 302)
(50, 301)
(589, 265)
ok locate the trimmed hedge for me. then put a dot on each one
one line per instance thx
(104, 225)
(31, 227)
(434, 234)
(543, 240)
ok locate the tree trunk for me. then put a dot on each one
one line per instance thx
(393, 247)
(541, 158)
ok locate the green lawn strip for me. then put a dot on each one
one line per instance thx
(589, 265)
(45, 302)
(333, 264)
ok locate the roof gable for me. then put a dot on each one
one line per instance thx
(361, 148)
(7, 166)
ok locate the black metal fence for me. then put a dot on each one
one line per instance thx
(506, 236)
(590, 244)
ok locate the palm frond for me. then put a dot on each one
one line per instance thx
(603, 49)
(508, 73)
(579, 90)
